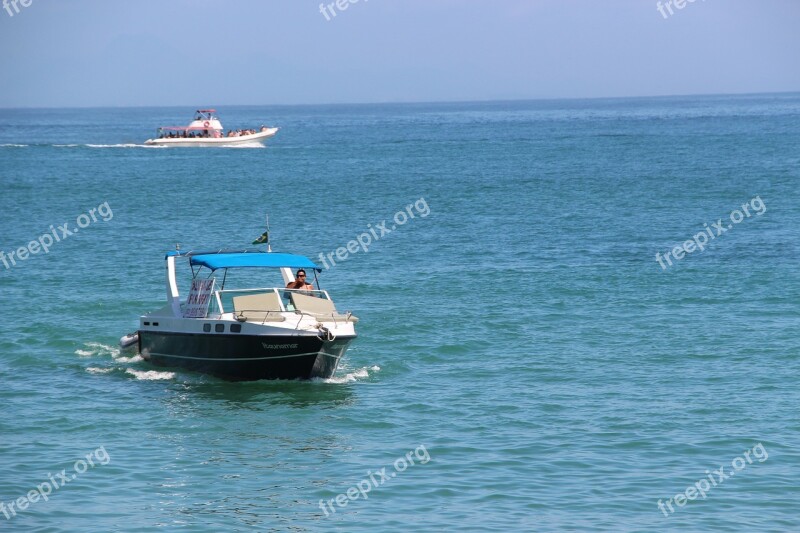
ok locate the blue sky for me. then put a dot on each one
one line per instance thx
(56, 53)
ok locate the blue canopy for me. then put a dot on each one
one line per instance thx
(250, 260)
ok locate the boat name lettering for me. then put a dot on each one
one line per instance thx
(277, 346)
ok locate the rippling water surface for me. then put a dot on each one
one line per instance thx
(523, 362)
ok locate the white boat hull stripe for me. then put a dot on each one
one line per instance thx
(232, 359)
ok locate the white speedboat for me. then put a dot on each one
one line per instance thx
(206, 130)
(245, 334)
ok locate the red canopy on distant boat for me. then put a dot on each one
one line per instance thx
(206, 110)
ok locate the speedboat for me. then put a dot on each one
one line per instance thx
(206, 130)
(244, 334)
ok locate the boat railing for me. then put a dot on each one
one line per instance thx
(263, 300)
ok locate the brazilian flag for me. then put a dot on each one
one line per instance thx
(264, 238)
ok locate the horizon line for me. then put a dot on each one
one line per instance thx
(422, 102)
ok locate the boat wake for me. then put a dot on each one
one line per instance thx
(150, 375)
(122, 145)
(95, 370)
(115, 145)
(351, 377)
(121, 362)
(93, 349)
(253, 144)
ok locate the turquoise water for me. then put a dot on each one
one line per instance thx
(520, 343)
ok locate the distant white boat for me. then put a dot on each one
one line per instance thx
(206, 130)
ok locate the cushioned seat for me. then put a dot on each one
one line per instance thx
(322, 309)
(311, 304)
(262, 307)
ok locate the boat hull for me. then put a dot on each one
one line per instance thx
(201, 142)
(245, 357)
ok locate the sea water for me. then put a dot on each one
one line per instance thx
(572, 315)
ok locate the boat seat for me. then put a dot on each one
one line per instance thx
(322, 309)
(262, 307)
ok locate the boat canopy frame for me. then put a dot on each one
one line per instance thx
(247, 258)
(187, 128)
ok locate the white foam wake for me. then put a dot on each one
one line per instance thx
(96, 348)
(351, 377)
(96, 370)
(150, 375)
(243, 145)
(117, 146)
(132, 359)
(253, 144)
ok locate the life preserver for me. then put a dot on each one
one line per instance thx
(206, 123)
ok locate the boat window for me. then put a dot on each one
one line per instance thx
(236, 328)
(219, 328)
(206, 328)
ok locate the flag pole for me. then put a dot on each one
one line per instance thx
(269, 247)
(264, 238)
